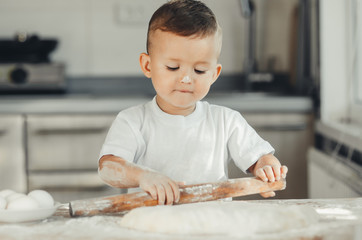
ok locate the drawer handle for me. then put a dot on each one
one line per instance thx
(75, 188)
(70, 131)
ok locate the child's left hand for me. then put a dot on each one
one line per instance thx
(271, 173)
(268, 168)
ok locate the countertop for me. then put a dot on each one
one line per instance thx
(88, 103)
(339, 219)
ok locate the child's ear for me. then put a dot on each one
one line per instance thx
(216, 73)
(145, 64)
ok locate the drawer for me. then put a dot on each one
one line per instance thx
(65, 142)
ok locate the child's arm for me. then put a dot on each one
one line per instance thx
(268, 168)
(119, 173)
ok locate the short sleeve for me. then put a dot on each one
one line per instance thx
(121, 140)
(244, 144)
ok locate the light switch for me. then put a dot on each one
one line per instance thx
(132, 12)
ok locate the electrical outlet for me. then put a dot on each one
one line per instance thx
(133, 12)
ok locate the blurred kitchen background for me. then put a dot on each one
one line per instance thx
(68, 67)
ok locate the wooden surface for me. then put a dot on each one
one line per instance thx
(188, 194)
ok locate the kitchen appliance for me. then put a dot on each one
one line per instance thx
(335, 162)
(23, 77)
(255, 80)
(302, 75)
(25, 66)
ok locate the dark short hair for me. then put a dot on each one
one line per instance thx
(184, 18)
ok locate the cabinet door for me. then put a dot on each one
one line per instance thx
(66, 142)
(290, 134)
(12, 154)
(331, 178)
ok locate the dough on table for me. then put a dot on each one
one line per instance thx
(219, 217)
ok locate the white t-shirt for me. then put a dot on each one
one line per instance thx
(192, 149)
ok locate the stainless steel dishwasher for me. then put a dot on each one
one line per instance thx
(62, 152)
(291, 134)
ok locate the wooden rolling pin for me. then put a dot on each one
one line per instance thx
(188, 194)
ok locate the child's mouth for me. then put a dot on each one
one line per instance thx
(184, 91)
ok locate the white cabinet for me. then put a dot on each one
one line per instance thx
(291, 134)
(329, 177)
(63, 151)
(66, 141)
(12, 153)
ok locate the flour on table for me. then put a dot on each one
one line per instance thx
(221, 218)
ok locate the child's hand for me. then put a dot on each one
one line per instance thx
(268, 168)
(271, 173)
(160, 187)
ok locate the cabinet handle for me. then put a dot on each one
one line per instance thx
(76, 188)
(282, 128)
(75, 131)
(43, 179)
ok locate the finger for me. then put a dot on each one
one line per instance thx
(181, 183)
(267, 194)
(269, 173)
(160, 194)
(175, 191)
(277, 170)
(168, 193)
(152, 191)
(284, 171)
(261, 174)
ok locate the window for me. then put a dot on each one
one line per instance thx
(356, 59)
(341, 60)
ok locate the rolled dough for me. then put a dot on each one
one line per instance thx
(220, 218)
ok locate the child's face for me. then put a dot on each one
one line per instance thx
(182, 69)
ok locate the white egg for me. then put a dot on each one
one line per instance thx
(3, 203)
(14, 196)
(44, 199)
(6, 192)
(23, 203)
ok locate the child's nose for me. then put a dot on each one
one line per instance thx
(186, 79)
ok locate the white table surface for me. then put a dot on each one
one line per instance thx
(339, 219)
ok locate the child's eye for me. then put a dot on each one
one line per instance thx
(199, 71)
(172, 68)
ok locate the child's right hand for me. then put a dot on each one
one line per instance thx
(160, 187)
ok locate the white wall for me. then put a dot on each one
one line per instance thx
(95, 41)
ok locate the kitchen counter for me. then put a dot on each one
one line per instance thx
(339, 219)
(86, 103)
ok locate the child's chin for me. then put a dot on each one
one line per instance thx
(184, 104)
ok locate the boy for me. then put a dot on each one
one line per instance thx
(176, 138)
